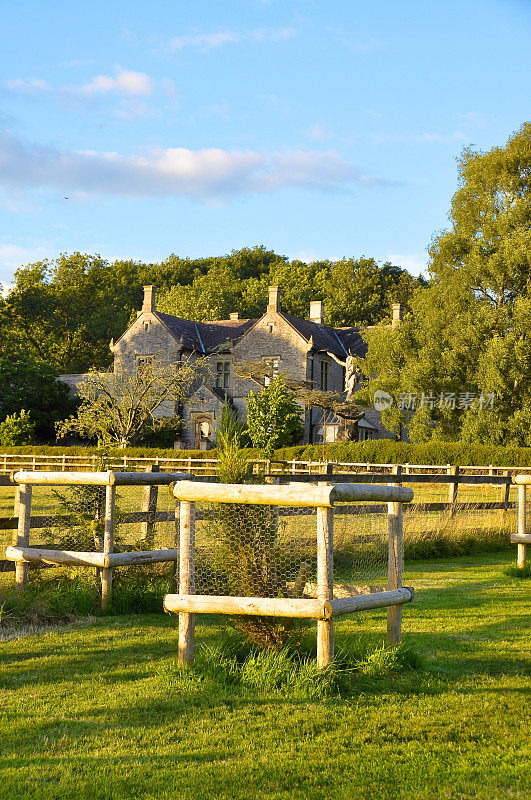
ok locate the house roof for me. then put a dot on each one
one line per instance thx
(338, 341)
(207, 337)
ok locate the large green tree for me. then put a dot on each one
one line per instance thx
(467, 335)
(31, 385)
(66, 311)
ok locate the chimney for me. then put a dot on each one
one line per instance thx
(149, 299)
(316, 311)
(398, 312)
(274, 299)
(234, 315)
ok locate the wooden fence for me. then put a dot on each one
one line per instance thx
(12, 462)
(324, 607)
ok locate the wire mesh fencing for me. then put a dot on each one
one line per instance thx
(72, 518)
(444, 520)
(270, 551)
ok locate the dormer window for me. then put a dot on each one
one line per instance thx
(222, 374)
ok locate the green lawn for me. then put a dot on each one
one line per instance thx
(98, 710)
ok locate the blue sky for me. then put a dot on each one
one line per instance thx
(320, 129)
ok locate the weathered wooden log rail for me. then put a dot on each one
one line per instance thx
(324, 607)
(22, 554)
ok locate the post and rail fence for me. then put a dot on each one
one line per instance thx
(12, 462)
(233, 512)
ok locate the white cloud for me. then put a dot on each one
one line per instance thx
(124, 81)
(474, 118)
(359, 46)
(200, 174)
(28, 87)
(318, 133)
(413, 262)
(211, 41)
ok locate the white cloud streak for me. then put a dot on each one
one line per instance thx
(204, 42)
(124, 82)
(28, 87)
(210, 174)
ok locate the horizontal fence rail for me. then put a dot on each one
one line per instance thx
(11, 462)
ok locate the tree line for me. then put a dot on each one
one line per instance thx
(65, 311)
(458, 368)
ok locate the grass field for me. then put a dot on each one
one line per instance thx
(100, 710)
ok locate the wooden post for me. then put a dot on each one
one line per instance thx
(149, 505)
(186, 580)
(452, 490)
(394, 570)
(23, 502)
(521, 558)
(176, 542)
(325, 583)
(108, 546)
(506, 491)
(397, 470)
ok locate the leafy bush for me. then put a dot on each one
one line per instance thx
(17, 429)
(273, 417)
(161, 432)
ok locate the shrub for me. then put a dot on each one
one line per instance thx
(17, 429)
(273, 417)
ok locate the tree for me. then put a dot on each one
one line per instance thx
(467, 337)
(116, 407)
(26, 383)
(273, 416)
(66, 311)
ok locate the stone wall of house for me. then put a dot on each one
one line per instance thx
(73, 380)
(271, 338)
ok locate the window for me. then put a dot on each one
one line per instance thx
(324, 376)
(222, 374)
(272, 363)
(142, 361)
(146, 326)
(271, 327)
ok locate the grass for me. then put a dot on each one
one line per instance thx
(99, 709)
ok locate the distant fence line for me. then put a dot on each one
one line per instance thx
(11, 462)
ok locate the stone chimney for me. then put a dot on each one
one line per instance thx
(274, 299)
(149, 299)
(234, 315)
(316, 311)
(398, 313)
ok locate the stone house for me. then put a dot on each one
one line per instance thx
(306, 349)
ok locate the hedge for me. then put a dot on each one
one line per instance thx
(378, 451)
(387, 451)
